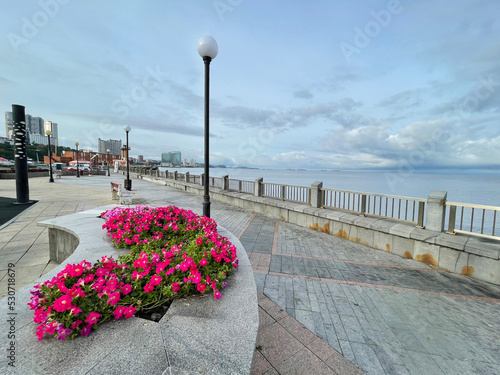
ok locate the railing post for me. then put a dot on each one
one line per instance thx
(436, 210)
(202, 179)
(421, 209)
(316, 200)
(240, 185)
(363, 204)
(225, 182)
(451, 222)
(283, 190)
(186, 177)
(175, 175)
(258, 187)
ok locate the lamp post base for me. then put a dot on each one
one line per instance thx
(127, 184)
(206, 205)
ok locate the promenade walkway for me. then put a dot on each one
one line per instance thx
(322, 295)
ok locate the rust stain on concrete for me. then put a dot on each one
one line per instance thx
(388, 247)
(408, 255)
(467, 270)
(283, 218)
(427, 259)
(325, 228)
(342, 233)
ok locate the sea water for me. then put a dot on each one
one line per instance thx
(483, 189)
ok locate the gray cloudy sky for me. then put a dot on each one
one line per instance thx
(297, 84)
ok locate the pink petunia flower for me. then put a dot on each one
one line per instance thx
(75, 310)
(64, 332)
(203, 262)
(63, 303)
(201, 287)
(155, 280)
(217, 294)
(89, 278)
(176, 287)
(126, 289)
(92, 318)
(129, 312)
(114, 298)
(51, 328)
(118, 312)
(86, 330)
(148, 287)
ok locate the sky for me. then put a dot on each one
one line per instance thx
(344, 84)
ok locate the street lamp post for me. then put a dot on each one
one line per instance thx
(107, 151)
(128, 183)
(208, 49)
(77, 167)
(48, 133)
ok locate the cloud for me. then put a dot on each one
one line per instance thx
(303, 94)
(425, 144)
(243, 117)
(403, 99)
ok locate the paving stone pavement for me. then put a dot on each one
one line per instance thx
(386, 314)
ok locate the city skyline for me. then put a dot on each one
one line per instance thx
(340, 85)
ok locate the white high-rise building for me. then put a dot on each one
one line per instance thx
(114, 146)
(35, 129)
(9, 125)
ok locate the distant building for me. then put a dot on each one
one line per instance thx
(140, 158)
(35, 129)
(171, 159)
(9, 125)
(114, 146)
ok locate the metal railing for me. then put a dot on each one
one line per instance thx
(242, 186)
(473, 219)
(216, 182)
(292, 193)
(411, 210)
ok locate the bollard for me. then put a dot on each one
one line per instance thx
(20, 156)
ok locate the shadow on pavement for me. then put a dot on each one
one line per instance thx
(9, 209)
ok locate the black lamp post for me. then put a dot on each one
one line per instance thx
(208, 49)
(128, 183)
(48, 133)
(107, 151)
(77, 167)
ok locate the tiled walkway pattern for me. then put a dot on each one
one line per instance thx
(386, 314)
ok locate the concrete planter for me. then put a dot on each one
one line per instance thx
(198, 335)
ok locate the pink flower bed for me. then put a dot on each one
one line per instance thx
(173, 253)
